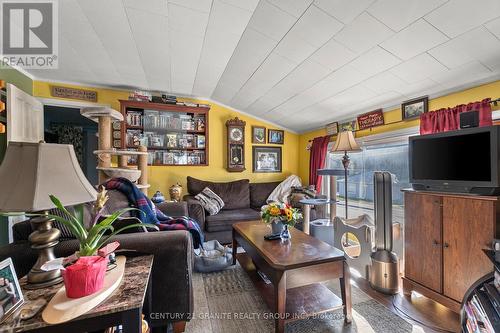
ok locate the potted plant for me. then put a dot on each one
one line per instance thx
(86, 275)
(281, 216)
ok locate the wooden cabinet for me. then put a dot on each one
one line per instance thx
(444, 238)
(467, 229)
(423, 251)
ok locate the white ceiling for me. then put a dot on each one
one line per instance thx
(297, 63)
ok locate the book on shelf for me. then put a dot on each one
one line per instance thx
(200, 141)
(480, 314)
(134, 118)
(199, 123)
(171, 140)
(133, 137)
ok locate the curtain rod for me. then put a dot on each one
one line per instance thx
(495, 102)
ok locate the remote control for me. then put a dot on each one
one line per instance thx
(272, 237)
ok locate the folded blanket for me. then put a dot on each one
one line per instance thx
(283, 190)
(151, 214)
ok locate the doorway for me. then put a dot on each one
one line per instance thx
(67, 126)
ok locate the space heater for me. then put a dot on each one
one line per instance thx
(384, 272)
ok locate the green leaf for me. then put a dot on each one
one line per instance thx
(147, 225)
(60, 206)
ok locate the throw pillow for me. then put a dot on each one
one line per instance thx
(210, 201)
(65, 231)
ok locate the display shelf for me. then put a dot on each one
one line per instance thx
(174, 134)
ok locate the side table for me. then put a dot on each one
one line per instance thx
(123, 307)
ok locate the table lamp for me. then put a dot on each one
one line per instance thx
(31, 172)
(345, 143)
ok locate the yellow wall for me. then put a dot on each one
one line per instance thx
(162, 177)
(393, 118)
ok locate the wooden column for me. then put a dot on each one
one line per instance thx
(142, 164)
(104, 160)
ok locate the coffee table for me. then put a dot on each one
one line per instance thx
(295, 269)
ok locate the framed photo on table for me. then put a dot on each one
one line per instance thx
(11, 296)
(266, 159)
(258, 134)
(413, 108)
(276, 136)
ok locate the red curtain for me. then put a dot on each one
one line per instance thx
(448, 119)
(317, 159)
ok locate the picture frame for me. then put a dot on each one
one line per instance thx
(266, 159)
(332, 128)
(258, 134)
(348, 126)
(10, 291)
(276, 136)
(414, 108)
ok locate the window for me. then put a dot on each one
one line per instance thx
(378, 154)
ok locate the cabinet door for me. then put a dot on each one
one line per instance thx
(423, 238)
(467, 229)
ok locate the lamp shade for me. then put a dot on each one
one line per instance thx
(30, 172)
(345, 142)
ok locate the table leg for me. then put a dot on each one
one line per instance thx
(280, 301)
(235, 248)
(345, 289)
(132, 321)
(307, 218)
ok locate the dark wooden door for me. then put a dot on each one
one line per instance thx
(423, 240)
(467, 229)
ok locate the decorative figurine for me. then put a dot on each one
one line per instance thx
(158, 197)
(175, 192)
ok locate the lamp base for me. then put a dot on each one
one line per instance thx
(43, 239)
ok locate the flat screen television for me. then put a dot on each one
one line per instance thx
(463, 161)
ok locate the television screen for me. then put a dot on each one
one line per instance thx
(463, 157)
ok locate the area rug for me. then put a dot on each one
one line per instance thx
(227, 302)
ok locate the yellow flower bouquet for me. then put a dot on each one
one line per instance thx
(280, 212)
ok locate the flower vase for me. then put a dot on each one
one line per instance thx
(285, 233)
(276, 227)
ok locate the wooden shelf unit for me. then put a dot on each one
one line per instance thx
(445, 234)
(175, 111)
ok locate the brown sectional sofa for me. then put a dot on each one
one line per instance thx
(242, 202)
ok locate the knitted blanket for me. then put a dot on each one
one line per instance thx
(151, 214)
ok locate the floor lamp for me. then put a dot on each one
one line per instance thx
(345, 143)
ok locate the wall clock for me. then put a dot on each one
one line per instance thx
(235, 145)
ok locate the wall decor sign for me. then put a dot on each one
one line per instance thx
(73, 93)
(413, 108)
(332, 128)
(266, 159)
(371, 119)
(347, 126)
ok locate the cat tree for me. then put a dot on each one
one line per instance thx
(104, 116)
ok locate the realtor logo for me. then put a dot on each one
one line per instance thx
(29, 34)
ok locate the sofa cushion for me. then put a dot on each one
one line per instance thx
(210, 201)
(225, 219)
(236, 194)
(259, 192)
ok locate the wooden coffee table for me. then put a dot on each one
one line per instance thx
(295, 269)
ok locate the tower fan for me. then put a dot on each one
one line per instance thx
(384, 273)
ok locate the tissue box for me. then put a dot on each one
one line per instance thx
(85, 277)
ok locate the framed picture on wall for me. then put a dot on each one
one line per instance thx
(332, 128)
(347, 126)
(266, 159)
(258, 134)
(10, 291)
(276, 136)
(413, 108)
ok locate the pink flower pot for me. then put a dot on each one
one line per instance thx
(85, 277)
